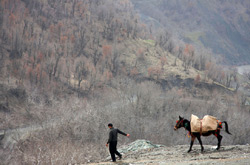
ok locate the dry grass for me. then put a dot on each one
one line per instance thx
(151, 58)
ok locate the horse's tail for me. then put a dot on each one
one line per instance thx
(226, 127)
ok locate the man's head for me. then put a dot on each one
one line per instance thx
(110, 125)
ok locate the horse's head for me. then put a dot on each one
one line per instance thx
(179, 123)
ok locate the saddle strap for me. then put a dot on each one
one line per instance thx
(201, 126)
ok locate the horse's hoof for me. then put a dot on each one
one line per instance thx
(189, 151)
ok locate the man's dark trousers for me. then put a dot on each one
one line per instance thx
(113, 150)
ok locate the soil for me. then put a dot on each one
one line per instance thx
(230, 155)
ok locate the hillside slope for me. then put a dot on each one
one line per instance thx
(69, 67)
(221, 26)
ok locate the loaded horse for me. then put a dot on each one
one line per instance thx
(187, 125)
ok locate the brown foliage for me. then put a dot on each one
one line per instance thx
(12, 19)
(140, 51)
(40, 57)
(52, 28)
(72, 38)
(63, 39)
(208, 65)
(106, 50)
(154, 71)
(188, 49)
(134, 72)
(163, 61)
(197, 79)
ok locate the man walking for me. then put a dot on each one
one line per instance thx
(112, 142)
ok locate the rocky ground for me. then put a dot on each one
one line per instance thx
(143, 152)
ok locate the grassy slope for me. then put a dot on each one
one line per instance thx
(151, 58)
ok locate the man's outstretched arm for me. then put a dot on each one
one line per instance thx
(122, 133)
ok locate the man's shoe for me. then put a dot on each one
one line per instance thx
(120, 157)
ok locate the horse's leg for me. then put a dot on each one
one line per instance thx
(192, 142)
(199, 139)
(219, 137)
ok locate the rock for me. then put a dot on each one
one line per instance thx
(138, 145)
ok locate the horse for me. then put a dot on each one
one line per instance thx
(186, 124)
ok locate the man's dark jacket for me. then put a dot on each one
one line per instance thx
(113, 134)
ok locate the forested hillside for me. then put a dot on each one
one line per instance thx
(220, 26)
(69, 67)
(70, 42)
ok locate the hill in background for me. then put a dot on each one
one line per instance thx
(221, 26)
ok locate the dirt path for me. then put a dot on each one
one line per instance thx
(239, 154)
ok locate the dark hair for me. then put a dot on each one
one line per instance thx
(110, 125)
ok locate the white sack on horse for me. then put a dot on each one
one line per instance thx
(208, 123)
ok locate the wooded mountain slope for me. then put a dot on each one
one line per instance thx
(221, 26)
(69, 67)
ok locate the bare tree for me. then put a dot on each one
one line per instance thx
(81, 72)
(247, 75)
(17, 47)
(81, 42)
(58, 55)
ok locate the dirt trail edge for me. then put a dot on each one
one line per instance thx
(234, 154)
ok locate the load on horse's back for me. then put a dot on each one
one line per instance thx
(202, 127)
(208, 123)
